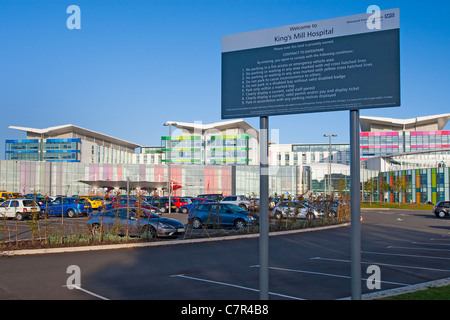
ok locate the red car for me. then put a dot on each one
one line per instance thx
(178, 202)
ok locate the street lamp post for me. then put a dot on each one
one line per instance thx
(169, 187)
(329, 162)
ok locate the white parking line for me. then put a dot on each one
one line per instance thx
(330, 275)
(233, 285)
(415, 248)
(78, 287)
(385, 264)
(404, 255)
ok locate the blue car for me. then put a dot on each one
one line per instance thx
(70, 207)
(222, 215)
(196, 201)
(134, 221)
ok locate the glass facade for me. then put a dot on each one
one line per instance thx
(422, 185)
(374, 144)
(53, 150)
(426, 140)
(301, 154)
(321, 147)
(210, 150)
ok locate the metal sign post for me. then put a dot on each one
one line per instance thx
(264, 209)
(355, 206)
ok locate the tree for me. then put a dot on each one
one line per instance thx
(341, 186)
(385, 187)
(400, 186)
(370, 187)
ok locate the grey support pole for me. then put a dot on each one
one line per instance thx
(355, 206)
(264, 209)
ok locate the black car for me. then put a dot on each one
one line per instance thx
(442, 209)
(162, 203)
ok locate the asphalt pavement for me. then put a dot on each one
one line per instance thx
(408, 247)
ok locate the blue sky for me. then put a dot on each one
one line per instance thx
(136, 64)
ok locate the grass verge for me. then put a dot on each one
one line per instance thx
(387, 205)
(436, 293)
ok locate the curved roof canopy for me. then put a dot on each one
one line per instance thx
(120, 184)
(201, 129)
(428, 123)
(56, 131)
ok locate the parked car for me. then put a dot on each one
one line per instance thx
(326, 207)
(66, 207)
(238, 200)
(273, 202)
(84, 206)
(212, 196)
(222, 215)
(442, 209)
(95, 202)
(123, 203)
(178, 202)
(18, 208)
(254, 204)
(162, 204)
(132, 202)
(195, 201)
(137, 222)
(5, 195)
(291, 209)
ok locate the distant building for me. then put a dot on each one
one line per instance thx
(232, 142)
(224, 157)
(300, 154)
(69, 143)
(387, 136)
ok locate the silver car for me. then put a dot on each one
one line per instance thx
(294, 209)
(134, 221)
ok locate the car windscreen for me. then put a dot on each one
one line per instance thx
(289, 204)
(233, 207)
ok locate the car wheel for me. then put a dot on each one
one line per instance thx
(278, 215)
(184, 210)
(441, 214)
(19, 216)
(163, 209)
(332, 214)
(239, 224)
(43, 214)
(71, 213)
(148, 232)
(196, 223)
(243, 206)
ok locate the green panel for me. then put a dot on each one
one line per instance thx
(181, 138)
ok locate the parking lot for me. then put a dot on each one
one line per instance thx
(408, 247)
(20, 230)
